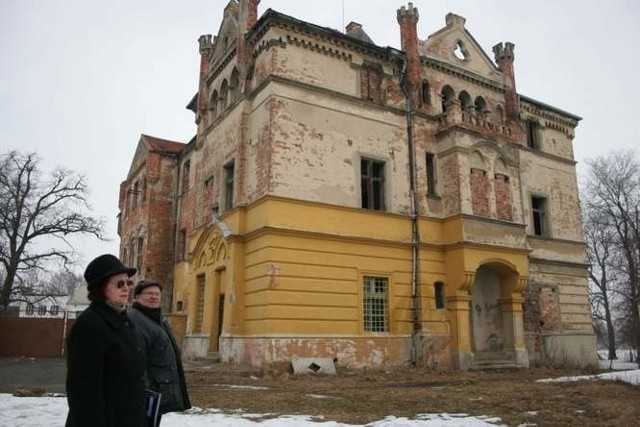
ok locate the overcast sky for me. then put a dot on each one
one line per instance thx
(81, 80)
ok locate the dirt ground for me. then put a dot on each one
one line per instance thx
(364, 396)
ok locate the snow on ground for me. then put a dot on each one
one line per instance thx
(52, 411)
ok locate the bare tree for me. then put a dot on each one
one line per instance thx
(33, 210)
(601, 252)
(613, 193)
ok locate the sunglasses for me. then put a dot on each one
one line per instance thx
(122, 283)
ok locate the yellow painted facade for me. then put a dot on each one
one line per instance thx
(374, 206)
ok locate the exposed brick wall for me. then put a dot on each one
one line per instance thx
(541, 309)
(502, 189)
(479, 192)
(370, 81)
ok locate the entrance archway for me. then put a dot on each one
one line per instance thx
(486, 314)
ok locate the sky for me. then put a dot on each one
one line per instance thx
(80, 81)
(48, 411)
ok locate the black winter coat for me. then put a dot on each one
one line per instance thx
(164, 366)
(105, 371)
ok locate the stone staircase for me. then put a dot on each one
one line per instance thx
(493, 360)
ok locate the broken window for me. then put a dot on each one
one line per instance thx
(375, 307)
(532, 135)
(229, 177)
(539, 213)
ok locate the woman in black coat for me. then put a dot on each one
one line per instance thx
(105, 366)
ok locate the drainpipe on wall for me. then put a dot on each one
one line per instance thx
(416, 334)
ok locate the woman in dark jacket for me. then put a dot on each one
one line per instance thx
(105, 366)
(164, 366)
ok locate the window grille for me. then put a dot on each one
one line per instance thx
(375, 296)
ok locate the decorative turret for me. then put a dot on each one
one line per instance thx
(408, 20)
(206, 51)
(503, 54)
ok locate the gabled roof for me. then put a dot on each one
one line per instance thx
(453, 41)
(163, 145)
(148, 143)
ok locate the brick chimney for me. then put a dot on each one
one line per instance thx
(504, 59)
(408, 20)
(248, 14)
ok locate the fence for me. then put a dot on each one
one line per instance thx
(34, 337)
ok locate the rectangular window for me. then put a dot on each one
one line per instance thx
(29, 310)
(431, 174)
(134, 195)
(375, 296)
(539, 212)
(139, 254)
(132, 252)
(144, 190)
(229, 176)
(439, 294)
(54, 310)
(186, 171)
(532, 134)
(372, 184)
(42, 310)
(200, 304)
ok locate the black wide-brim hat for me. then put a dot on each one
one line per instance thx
(103, 267)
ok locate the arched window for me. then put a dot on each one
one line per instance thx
(224, 94)
(499, 115)
(465, 101)
(234, 85)
(447, 95)
(481, 105)
(425, 93)
(213, 106)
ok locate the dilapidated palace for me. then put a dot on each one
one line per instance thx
(373, 205)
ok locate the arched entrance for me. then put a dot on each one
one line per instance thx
(486, 313)
(496, 317)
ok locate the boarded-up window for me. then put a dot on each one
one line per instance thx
(370, 82)
(479, 192)
(431, 174)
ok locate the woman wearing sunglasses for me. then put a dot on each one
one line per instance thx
(105, 366)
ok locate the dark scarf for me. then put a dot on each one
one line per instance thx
(154, 314)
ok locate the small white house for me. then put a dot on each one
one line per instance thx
(51, 307)
(78, 301)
